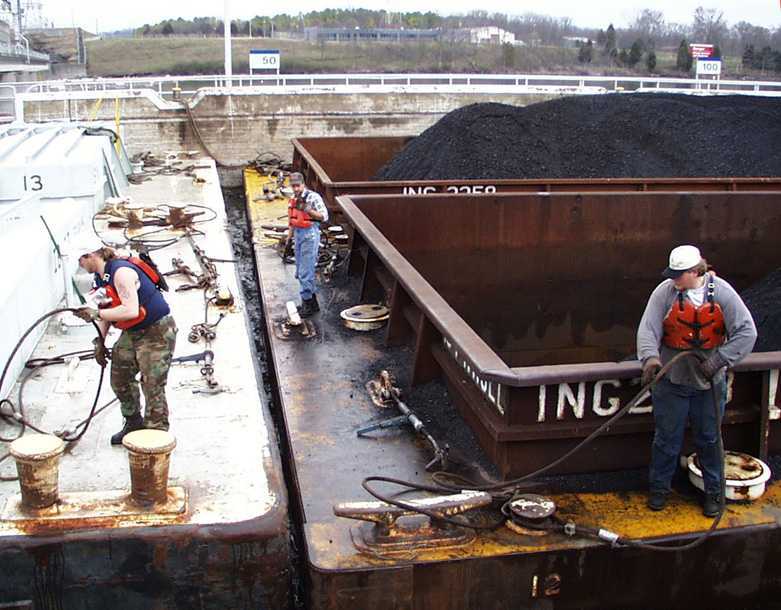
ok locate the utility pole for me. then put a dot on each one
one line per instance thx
(227, 34)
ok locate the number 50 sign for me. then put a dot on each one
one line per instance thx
(264, 59)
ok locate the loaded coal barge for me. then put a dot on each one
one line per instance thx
(525, 339)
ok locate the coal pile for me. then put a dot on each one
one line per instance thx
(763, 300)
(640, 135)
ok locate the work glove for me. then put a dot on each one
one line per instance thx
(88, 314)
(101, 353)
(712, 365)
(650, 368)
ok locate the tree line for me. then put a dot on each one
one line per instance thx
(759, 47)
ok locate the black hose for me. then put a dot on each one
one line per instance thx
(18, 416)
(516, 484)
(438, 476)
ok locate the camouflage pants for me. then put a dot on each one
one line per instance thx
(147, 351)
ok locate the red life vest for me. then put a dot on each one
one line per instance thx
(297, 218)
(115, 301)
(689, 327)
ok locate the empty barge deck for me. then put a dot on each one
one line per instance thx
(319, 387)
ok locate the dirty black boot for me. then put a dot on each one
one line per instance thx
(711, 505)
(314, 303)
(306, 309)
(131, 425)
(657, 500)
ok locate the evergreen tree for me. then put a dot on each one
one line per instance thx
(610, 41)
(635, 53)
(748, 56)
(684, 60)
(586, 52)
(508, 55)
(168, 29)
(650, 61)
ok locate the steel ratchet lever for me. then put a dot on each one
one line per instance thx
(204, 356)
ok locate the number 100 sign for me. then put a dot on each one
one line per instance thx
(708, 67)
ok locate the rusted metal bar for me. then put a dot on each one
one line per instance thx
(346, 165)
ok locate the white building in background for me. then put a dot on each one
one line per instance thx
(491, 35)
(574, 41)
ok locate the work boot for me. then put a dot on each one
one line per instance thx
(711, 505)
(306, 309)
(657, 500)
(132, 424)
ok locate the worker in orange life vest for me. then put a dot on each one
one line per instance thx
(306, 211)
(691, 309)
(134, 304)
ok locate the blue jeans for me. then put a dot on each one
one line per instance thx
(673, 405)
(306, 243)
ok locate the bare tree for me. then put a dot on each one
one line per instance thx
(649, 25)
(709, 26)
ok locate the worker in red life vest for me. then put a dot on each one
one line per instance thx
(691, 309)
(134, 303)
(306, 211)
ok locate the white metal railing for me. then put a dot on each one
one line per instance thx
(7, 104)
(166, 86)
(22, 50)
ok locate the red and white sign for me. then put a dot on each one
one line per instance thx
(701, 51)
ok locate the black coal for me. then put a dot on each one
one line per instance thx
(639, 135)
(763, 300)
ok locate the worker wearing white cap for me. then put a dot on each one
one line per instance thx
(135, 305)
(691, 309)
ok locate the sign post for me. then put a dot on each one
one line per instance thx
(708, 66)
(265, 60)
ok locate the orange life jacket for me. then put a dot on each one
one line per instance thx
(297, 218)
(689, 327)
(114, 300)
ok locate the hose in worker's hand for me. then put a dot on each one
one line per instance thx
(17, 416)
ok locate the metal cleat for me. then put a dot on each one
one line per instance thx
(293, 327)
(384, 534)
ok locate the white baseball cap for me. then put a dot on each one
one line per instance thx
(682, 259)
(85, 244)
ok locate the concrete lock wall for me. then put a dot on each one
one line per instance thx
(236, 127)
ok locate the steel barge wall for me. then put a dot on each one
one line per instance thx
(346, 165)
(528, 304)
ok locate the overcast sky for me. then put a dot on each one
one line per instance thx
(587, 13)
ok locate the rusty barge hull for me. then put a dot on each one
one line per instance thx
(179, 566)
(337, 166)
(528, 305)
(433, 286)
